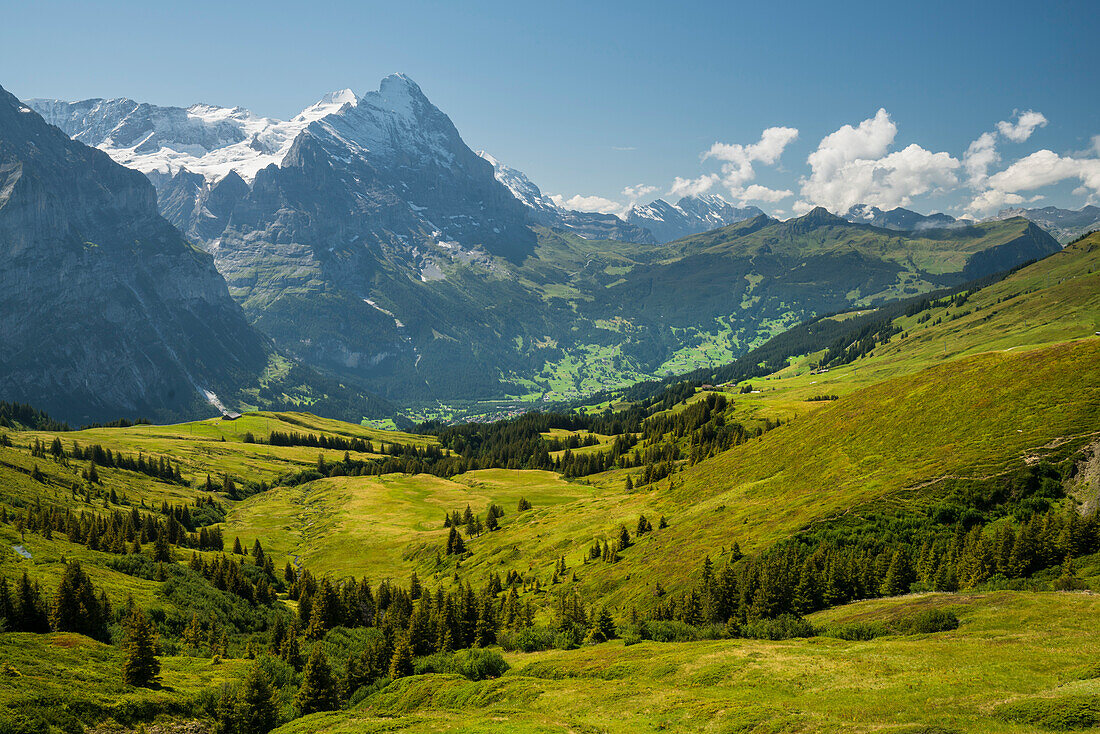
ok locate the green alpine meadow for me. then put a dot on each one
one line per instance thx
(773, 408)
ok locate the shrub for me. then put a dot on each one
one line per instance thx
(478, 664)
(672, 631)
(928, 622)
(529, 639)
(363, 691)
(784, 627)
(565, 641)
(473, 663)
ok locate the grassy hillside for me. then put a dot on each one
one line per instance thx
(1011, 653)
(909, 415)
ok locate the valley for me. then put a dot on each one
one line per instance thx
(696, 368)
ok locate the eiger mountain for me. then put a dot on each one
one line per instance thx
(108, 310)
(1065, 224)
(900, 219)
(690, 215)
(366, 239)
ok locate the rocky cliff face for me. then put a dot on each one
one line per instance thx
(108, 310)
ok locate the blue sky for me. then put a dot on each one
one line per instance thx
(592, 98)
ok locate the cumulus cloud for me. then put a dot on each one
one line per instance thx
(981, 154)
(693, 186)
(737, 159)
(992, 200)
(587, 203)
(851, 166)
(1045, 167)
(1026, 123)
(756, 192)
(637, 192)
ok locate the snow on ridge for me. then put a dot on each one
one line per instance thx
(522, 188)
(206, 139)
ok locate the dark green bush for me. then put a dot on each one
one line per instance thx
(530, 639)
(783, 627)
(928, 622)
(670, 631)
(473, 663)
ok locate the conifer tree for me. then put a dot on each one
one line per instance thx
(318, 690)
(401, 664)
(455, 544)
(7, 605)
(291, 652)
(161, 552)
(76, 607)
(141, 668)
(523, 505)
(255, 711)
(32, 615)
(897, 576)
(192, 634)
(604, 625)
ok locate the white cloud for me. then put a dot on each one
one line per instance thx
(981, 154)
(851, 166)
(587, 203)
(637, 192)
(1026, 123)
(801, 207)
(992, 200)
(756, 192)
(737, 159)
(693, 186)
(1045, 167)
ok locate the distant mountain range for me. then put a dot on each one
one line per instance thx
(1065, 224)
(690, 215)
(367, 240)
(903, 220)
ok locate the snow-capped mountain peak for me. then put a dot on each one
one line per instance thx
(331, 102)
(206, 139)
(523, 188)
(690, 215)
